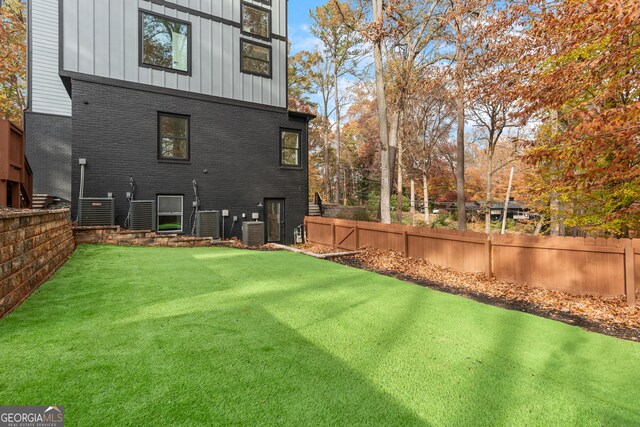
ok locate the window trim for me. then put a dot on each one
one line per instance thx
(181, 214)
(242, 70)
(299, 157)
(141, 63)
(159, 138)
(244, 4)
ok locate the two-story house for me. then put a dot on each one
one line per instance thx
(167, 92)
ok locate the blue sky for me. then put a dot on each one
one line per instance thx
(299, 22)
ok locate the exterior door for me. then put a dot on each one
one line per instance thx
(274, 218)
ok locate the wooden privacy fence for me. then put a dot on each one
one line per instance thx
(607, 267)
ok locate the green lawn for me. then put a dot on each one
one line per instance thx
(160, 336)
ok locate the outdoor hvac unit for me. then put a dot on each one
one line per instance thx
(96, 211)
(253, 233)
(208, 224)
(143, 215)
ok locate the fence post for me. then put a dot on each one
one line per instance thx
(630, 275)
(405, 240)
(333, 235)
(487, 258)
(356, 230)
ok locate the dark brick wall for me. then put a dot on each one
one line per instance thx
(48, 149)
(115, 129)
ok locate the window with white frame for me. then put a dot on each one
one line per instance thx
(170, 213)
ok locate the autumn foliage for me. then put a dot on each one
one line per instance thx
(13, 54)
(580, 77)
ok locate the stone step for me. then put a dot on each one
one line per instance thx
(314, 210)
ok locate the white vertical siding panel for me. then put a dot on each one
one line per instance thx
(247, 86)
(217, 61)
(227, 9)
(271, 93)
(116, 39)
(256, 95)
(85, 37)
(227, 62)
(234, 52)
(131, 69)
(185, 82)
(69, 34)
(205, 57)
(205, 6)
(235, 14)
(48, 94)
(283, 18)
(216, 7)
(275, 17)
(101, 52)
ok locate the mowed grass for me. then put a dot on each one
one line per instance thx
(159, 336)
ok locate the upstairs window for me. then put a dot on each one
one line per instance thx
(256, 21)
(290, 148)
(256, 58)
(173, 137)
(166, 43)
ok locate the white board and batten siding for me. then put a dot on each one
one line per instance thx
(101, 38)
(48, 94)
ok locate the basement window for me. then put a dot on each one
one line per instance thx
(256, 21)
(170, 216)
(166, 43)
(255, 59)
(290, 148)
(173, 137)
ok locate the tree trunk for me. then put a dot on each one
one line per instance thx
(554, 211)
(385, 188)
(487, 215)
(425, 192)
(413, 202)
(327, 183)
(462, 212)
(338, 140)
(399, 195)
(394, 126)
(460, 98)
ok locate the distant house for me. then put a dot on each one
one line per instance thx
(167, 91)
(516, 210)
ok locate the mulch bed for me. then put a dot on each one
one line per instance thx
(610, 316)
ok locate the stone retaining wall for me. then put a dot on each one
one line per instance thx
(33, 245)
(116, 236)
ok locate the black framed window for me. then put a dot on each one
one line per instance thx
(170, 213)
(173, 137)
(290, 148)
(256, 21)
(165, 43)
(255, 58)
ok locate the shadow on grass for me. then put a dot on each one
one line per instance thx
(213, 367)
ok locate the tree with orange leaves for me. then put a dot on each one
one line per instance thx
(13, 53)
(579, 68)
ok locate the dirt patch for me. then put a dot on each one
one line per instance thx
(317, 249)
(610, 316)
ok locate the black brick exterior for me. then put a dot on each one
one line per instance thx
(48, 149)
(115, 129)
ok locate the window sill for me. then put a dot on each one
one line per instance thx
(295, 168)
(175, 162)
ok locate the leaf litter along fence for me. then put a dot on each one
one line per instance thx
(598, 266)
